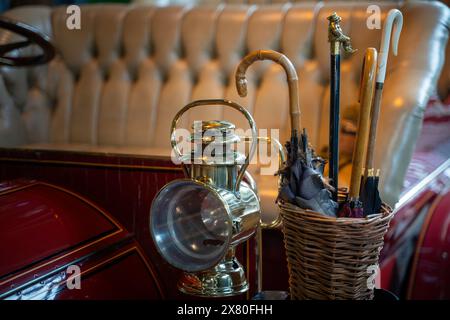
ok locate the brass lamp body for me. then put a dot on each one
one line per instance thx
(197, 222)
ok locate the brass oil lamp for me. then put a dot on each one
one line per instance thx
(197, 222)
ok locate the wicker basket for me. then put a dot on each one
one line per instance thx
(332, 258)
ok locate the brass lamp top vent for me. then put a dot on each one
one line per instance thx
(216, 124)
(215, 132)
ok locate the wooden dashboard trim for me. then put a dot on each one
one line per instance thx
(92, 164)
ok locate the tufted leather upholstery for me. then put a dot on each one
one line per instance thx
(119, 81)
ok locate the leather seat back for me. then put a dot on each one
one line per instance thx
(120, 79)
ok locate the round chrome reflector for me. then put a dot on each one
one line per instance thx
(190, 225)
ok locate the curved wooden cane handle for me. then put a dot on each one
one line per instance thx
(281, 59)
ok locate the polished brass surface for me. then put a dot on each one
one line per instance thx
(217, 102)
(221, 176)
(242, 218)
(336, 36)
(198, 221)
(226, 279)
(213, 132)
(217, 124)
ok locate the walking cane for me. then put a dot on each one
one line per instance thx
(336, 37)
(370, 195)
(393, 19)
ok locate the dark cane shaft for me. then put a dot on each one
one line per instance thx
(336, 38)
(334, 122)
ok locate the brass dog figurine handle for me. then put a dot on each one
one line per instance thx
(336, 36)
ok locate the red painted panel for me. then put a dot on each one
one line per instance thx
(387, 272)
(431, 268)
(123, 277)
(107, 274)
(123, 185)
(38, 221)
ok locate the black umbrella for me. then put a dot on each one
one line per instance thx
(336, 37)
(369, 195)
(369, 191)
(301, 180)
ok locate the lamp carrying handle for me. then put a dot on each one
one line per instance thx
(218, 102)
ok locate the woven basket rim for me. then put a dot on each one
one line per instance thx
(320, 217)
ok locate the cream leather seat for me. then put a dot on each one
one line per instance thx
(118, 81)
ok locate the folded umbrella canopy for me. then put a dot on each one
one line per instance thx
(301, 180)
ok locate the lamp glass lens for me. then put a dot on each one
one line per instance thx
(190, 225)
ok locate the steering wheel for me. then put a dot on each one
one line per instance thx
(32, 37)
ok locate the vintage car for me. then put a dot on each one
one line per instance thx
(86, 113)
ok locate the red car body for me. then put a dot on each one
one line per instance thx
(60, 208)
